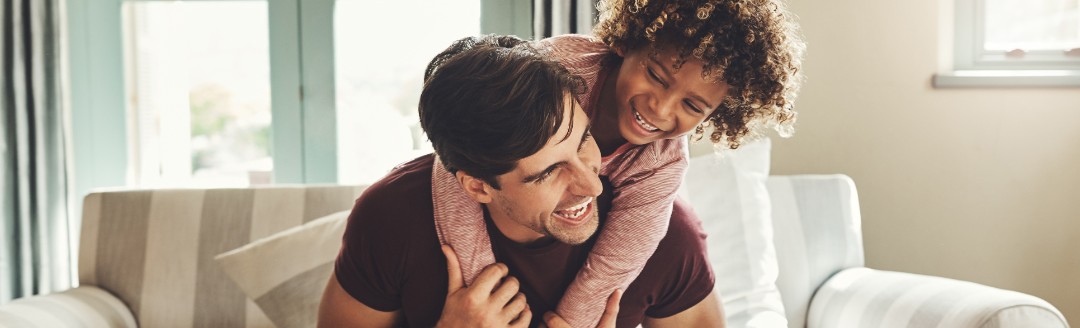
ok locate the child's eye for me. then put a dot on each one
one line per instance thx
(655, 77)
(693, 107)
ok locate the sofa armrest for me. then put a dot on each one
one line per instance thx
(817, 231)
(85, 306)
(862, 297)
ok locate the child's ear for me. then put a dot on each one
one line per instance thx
(621, 51)
(477, 189)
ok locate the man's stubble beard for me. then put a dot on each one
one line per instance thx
(576, 235)
(571, 236)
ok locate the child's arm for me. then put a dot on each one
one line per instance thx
(459, 222)
(645, 182)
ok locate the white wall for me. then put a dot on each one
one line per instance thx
(973, 184)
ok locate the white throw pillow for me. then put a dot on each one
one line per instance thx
(285, 273)
(728, 193)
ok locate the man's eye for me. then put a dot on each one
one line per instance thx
(588, 135)
(540, 179)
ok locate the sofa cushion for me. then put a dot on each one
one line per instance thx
(285, 273)
(154, 249)
(727, 190)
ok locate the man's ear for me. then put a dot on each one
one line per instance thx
(477, 189)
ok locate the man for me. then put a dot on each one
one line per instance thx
(505, 122)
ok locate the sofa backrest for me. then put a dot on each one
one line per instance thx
(154, 249)
(817, 230)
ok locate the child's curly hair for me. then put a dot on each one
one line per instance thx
(752, 45)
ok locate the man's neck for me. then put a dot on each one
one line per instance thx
(516, 232)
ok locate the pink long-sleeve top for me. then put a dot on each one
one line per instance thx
(645, 179)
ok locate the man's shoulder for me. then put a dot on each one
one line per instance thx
(678, 275)
(406, 182)
(399, 201)
(390, 235)
(685, 238)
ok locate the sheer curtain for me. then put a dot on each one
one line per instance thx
(556, 17)
(35, 240)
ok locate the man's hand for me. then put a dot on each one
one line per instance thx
(491, 301)
(611, 312)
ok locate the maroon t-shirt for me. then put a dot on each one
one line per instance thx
(390, 258)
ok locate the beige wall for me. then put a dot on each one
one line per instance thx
(973, 184)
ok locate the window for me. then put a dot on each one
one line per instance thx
(1015, 43)
(379, 75)
(231, 93)
(198, 86)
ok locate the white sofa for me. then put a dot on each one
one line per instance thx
(823, 282)
(788, 251)
(146, 259)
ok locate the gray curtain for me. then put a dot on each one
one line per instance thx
(35, 252)
(557, 17)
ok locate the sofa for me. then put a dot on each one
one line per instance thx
(823, 281)
(176, 258)
(787, 251)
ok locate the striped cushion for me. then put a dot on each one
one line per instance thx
(154, 249)
(285, 273)
(817, 230)
(85, 306)
(862, 297)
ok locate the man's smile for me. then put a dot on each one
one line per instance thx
(575, 214)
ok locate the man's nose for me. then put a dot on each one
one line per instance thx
(587, 179)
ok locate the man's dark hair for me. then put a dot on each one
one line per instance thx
(490, 101)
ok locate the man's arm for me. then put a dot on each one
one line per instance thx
(339, 309)
(707, 313)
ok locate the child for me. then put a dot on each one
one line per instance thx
(654, 72)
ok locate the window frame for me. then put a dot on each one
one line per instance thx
(972, 66)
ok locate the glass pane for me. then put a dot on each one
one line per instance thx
(199, 92)
(1032, 24)
(380, 60)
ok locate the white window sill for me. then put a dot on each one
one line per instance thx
(1007, 79)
